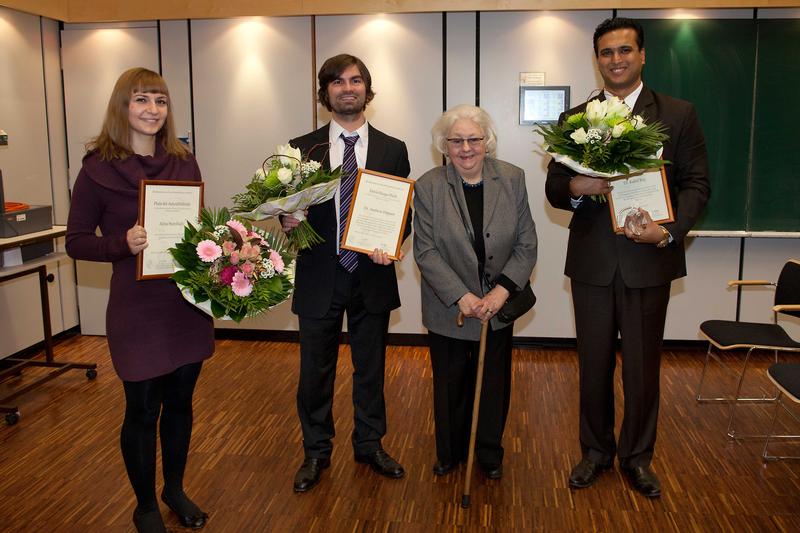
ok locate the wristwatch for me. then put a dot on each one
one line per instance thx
(664, 237)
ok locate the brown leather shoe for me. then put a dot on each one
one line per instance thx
(309, 473)
(644, 480)
(382, 463)
(585, 473)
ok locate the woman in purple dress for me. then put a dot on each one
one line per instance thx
(157, 340)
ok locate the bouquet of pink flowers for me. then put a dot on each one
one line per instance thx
(232, 269)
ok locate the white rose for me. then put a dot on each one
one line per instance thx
(285, 175)
(595, 111)
(260, 174)
(288, 156)
(617, 108)
(618, 130)
(638, 122)
(579, 136)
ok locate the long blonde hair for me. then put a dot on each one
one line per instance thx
(114, 139)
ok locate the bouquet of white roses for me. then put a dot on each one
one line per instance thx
(287, 185)
(231, 269)
(606, 140)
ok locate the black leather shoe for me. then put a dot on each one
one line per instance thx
(644, 480)
(382, 463)
(189, 515)
(308, 474)
(491, 471)
(585, 473)
(148, 521)
(442, 469)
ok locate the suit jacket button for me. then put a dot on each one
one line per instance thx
(487, 234)
(491, 257)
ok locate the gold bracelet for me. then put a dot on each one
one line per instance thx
(665, 237)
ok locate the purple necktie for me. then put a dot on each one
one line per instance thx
(347, 258)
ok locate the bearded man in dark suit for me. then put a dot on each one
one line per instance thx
(330, 282)
(621, 283)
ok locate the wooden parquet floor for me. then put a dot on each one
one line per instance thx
(61, 470)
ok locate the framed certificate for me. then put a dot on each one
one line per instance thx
(378, 213)
(648, 191)
(164, 208)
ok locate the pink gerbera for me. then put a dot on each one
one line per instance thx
(208, 251)
(277, 261)
(237, 226)
(241, 285)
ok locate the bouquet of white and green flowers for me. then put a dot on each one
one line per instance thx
(606, 141)
(286, 184)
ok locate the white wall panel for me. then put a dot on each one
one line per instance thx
(560, 45)
(252, 91)
(404, 57)
(461, 58)
(685, 14)
(703, 294)
(26, 166)
(24, 161)
(779, 14)
(93, 58)
(67, 297)
(175, 71)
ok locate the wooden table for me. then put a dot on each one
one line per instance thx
(36, 266)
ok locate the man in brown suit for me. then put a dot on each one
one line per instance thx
(621, 283)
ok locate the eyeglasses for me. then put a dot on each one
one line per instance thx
(473, 142)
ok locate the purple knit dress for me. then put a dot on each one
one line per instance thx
(151, 329)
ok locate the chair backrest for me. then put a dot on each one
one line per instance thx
(787, 290)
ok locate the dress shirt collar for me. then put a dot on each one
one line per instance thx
(629, 100)
(336, 130)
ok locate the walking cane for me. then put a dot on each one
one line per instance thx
(475, 407)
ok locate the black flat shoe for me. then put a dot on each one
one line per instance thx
(442, 469)
(148, 521)
(491, 471)
(308, 474)
(585, 473)
(382, 463)
(643, 480)
(189, 515)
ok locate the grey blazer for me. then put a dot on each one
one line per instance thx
(443, 248)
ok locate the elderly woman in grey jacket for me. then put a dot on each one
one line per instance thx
(474, 244)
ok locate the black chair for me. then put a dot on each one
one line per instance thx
(727, 335)
(786, 377)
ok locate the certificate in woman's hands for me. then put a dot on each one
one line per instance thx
(164, 208)
(647, 190)
(378, 213)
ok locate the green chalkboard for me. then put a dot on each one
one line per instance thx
(742, 76)
(711, 63)
(775, 179)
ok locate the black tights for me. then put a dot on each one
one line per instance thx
(171, 397)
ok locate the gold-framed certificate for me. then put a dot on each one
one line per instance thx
(378, 213)
(164, 208)
(647, 190)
